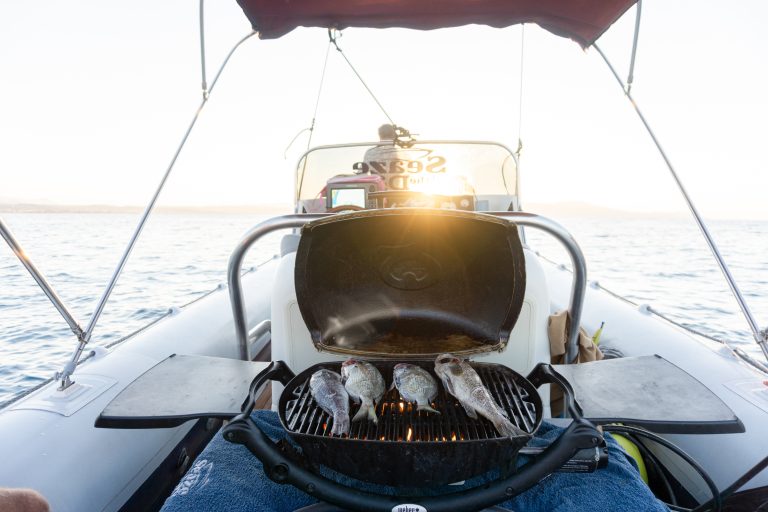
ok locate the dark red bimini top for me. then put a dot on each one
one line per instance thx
(581, 20)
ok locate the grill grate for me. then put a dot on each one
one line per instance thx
(399, 421)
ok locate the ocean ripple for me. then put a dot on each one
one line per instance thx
(658, 262)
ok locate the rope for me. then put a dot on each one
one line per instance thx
(332, 38)
(319, 93)
(312, 124)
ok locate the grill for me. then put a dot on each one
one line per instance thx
(410, 447)
(398, 284)
(401, 285)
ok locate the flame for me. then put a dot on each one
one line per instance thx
(453, 436)
(382, 438)
(409, 435)
(402, 406)
(325, 426)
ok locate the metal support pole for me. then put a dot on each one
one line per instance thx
(631, 75)
(202, 50)
(760, 336)
(69, 368)
(38, 276)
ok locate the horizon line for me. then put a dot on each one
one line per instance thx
(560, 208)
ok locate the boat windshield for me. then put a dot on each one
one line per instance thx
(467, 175)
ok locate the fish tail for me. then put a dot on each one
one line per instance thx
(372, 414)
(367, 410)
(340, 424)
(426, 407)
(506, 428)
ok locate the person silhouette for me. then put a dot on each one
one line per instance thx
(377, 159)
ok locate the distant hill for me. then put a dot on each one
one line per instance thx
(555, 210)
(579, 209)
(102, 208)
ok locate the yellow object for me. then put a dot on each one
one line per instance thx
(596, 336)
(633, 451)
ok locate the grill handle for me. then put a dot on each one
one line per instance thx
(543, 373)
(580, 434)
(277, 370)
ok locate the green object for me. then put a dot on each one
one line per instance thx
(634, 452)
(596, 336)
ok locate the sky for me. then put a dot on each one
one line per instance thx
(95, 97)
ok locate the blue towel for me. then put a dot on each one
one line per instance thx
(227, 477)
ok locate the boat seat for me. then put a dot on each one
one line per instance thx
(289, 243)
(291, 341)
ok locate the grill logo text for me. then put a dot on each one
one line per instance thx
(407, 507)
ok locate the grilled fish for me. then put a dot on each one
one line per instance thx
(415, 384)
(330, 395)
(365, 385)
(463, 382)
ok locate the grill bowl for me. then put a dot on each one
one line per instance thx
(439, 450)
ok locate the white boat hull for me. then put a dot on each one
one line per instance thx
(80, 468)
(635, 332)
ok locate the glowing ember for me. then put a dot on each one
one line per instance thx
(409, 435)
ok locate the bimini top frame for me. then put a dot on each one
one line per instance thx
(582, 21)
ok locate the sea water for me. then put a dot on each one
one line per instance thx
(661, 262)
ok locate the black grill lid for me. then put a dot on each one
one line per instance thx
(410, 282)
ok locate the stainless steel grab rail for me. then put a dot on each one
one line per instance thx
(578, 287)
(234, 269)
(579, 283)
